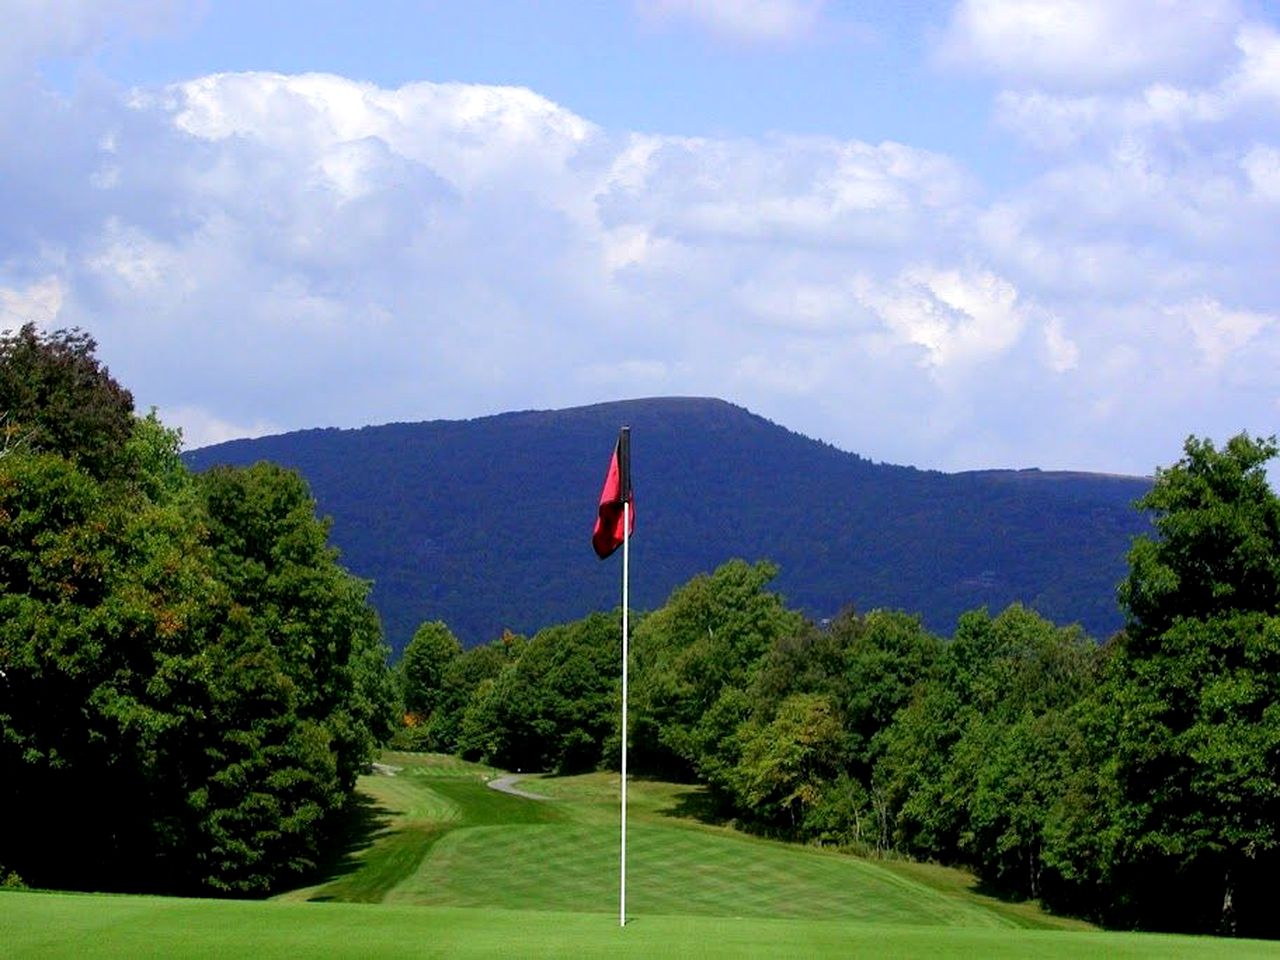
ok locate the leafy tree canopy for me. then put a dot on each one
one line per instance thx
(55, 396)
(1195, 683)
(183, 654)
(1218, 544)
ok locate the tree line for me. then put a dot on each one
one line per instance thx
(1135, 782)
(189, 681)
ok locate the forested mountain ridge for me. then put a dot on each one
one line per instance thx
(485, 523)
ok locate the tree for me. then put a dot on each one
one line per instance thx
(273, 552)
(556, 706)
(704, 644)
(972, 763)
(461, 678)
(56, 397)
(423, 666)
(1219, 532)
(186, 653)
(864, 669)
(1196, 682)
(787, 764)
(107, 604)
(887, 655)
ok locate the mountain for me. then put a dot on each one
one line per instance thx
(486, 523)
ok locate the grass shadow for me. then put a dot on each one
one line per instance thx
(697, 804)
(996, 891)
(354, 829)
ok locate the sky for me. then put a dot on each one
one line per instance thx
(956, 234)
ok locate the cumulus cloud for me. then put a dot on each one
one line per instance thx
(805, 190)
(63, 28)
(956, 317)
(1088, 44)
(200, 428)
(749, 21)
(1063, 352)
(38, 302)
(1219, 332)
(1244, 89)
(262, 251)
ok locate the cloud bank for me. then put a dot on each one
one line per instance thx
(258, 251)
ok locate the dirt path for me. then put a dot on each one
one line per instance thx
(507, 784)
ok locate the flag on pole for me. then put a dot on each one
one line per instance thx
(608, 533)
(615, 521)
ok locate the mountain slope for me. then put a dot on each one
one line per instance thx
(486, 523)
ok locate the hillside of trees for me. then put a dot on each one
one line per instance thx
(189, 682)
(1136, 783)
(485, 523)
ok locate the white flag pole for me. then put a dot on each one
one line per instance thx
(626, 564)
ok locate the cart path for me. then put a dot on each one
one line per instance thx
(507, 784)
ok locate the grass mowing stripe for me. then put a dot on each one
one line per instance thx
(490, 849)
(400, 855)
(36, 926)
(674, 867)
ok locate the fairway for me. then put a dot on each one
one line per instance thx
(461, 870)
(449, 840)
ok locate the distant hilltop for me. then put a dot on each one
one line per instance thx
(486, 523)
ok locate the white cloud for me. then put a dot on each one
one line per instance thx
(63, 28)
(132, 258)
(803, 189)
(749, 21)
(1262, 166)
(1258, 74)
(1244, 90)
(276, 252)
(1063, 352)
(38, 302)
(466, 134)
(1219, 332)
(959, 318)
(200, 428)
(1088, 44)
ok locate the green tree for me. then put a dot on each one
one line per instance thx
(107, 604)
(887, 655)
(1196, 683)
(273, 552)
(423, 666)
(787, 764)
(185, 652)
(866, 669)
(702, 647)
(56, 397)
(969, 764)
(461, 679)
(556, 706)
(1218, 526)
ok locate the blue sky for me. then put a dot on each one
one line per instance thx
(957, 234)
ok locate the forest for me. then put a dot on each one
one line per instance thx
(1134, 782)
(413, 508)
(190, 683)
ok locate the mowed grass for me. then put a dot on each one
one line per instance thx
(562, 854)
(36, 925)
(460, 870)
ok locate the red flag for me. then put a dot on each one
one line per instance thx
(607, 536)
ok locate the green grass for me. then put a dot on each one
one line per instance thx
(36, 925)
(459, 870)
(512, 853)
